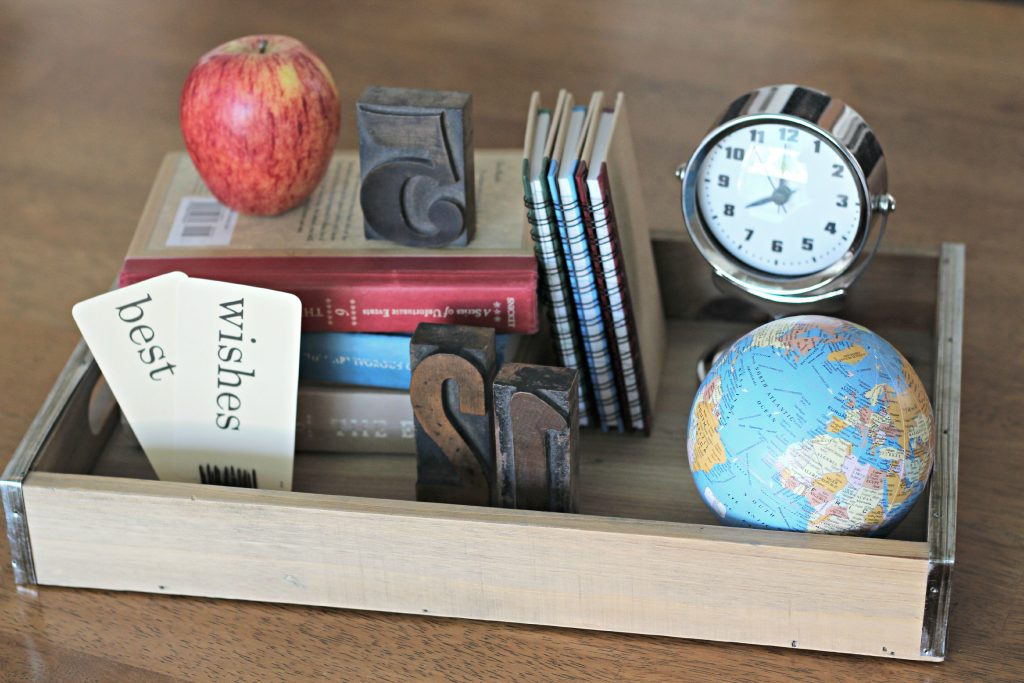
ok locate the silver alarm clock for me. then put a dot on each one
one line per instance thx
(787, 198)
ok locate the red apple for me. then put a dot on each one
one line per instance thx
(260, 116)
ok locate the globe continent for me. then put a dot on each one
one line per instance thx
(811, 423)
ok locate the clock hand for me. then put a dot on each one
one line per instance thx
(759, 202)
(768, 177)
(780, 196)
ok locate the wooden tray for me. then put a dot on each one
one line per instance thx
(646, 556)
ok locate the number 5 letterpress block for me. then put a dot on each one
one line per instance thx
(536, 425)
(416, 166)
(452, 370)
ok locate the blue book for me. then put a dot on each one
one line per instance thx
(363, 360)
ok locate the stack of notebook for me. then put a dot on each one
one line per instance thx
(596, 264)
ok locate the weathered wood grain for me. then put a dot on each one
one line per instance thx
(536, 434)
(416, 166)
(452, 369)
(479, 563)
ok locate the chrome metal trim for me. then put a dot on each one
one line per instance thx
(24, 458)
(934, 630)
(844, 130)
(942, 495)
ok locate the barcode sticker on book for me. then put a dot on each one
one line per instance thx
(202, 222)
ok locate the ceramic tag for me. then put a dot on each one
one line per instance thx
(132, 334)
(237, 386)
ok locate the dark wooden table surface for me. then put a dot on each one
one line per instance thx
(88, 106)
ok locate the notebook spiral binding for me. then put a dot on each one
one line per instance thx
(586, 295)
(556, 294)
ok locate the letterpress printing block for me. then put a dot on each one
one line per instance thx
(416, 166)
(452, 370)
(536, 424)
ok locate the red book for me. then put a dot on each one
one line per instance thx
(346, 282)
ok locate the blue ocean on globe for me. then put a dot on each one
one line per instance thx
(811, 423)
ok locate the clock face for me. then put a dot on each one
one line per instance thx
(779, 198)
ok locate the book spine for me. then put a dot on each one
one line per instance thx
(398, 308)
(363, 360)
(368, 360)
(555, 286)
(385, 303)
(620, 307)
(345, 420)
(588, 304)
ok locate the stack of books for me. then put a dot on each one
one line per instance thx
(361, 299)
(318, 252)
(593, 248)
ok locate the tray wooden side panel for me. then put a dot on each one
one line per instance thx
(807, 591)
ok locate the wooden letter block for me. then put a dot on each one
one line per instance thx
(452, 370)
(416, 166)
(536, 425)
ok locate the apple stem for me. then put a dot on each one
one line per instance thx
(263, 46)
